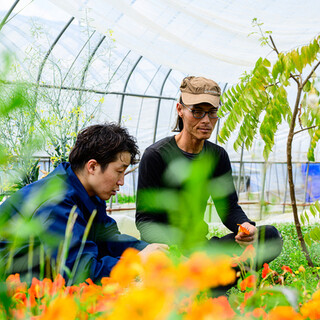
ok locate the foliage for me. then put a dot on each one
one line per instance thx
(262, 93)
(159, 289)
(259, 101)
(18, 138)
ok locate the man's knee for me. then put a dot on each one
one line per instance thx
(270, 238)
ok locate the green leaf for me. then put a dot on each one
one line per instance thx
(307, 216)
(307, 239)
(317, 205)
(303, 221)
(313, 211)
(307, 86)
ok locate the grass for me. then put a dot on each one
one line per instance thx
(306, 282)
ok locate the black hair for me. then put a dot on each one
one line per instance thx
(179, 122)
(102, 142)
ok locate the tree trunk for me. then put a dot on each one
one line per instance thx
(290, 178)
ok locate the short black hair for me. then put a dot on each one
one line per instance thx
(102, 142)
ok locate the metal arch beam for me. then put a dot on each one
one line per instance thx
(141, 104)
(86, 70)
(125, 88)
(48, 53)
(159, 103)
(4, 20)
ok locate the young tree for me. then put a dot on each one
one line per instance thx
(259, 102)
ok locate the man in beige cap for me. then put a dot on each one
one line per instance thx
(197, 117)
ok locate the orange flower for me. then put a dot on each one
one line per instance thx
(286, 269)
(58, 283)
(142, 304)
(15, 285)
(311, 308)
(128, 268)
(217, 308)
(284, 313)
(40, 288)
(248, 253)
(159, 271)
(258, 313)
(248, 282)
(243, 229)
(62, 308)
(266, 270)
(200, 272)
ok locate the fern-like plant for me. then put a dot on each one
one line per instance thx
(259, 103)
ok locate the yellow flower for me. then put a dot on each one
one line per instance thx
(142, 304)
(218, 308)
(62, 308)
(202, 272)
(284, 313)
(159, 271)
(128, 268)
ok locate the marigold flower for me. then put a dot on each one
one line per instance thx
(266, 270)
(159, 271)
(62, 308)
(200, 272)
(286, 269)
(258, 313)
(248, 282)
(301, 269)
(40, 288)
(243, 229)
(217, 308)
(142, 304)
(248, 253)
(311, 308)
(15, 285)
(128, 268)
(284, 313)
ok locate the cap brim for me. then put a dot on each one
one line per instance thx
(190, 99)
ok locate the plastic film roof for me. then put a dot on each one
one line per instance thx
(209, 38)
(157, 43)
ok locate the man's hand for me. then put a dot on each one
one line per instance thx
(152, 248)
(244, 239)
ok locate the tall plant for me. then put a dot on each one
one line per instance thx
(259, 102)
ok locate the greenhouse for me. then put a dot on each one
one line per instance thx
(68, 65)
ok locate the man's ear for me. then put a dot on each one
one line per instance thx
(179, 109)
(91, 166)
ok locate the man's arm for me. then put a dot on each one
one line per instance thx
(226, 202)
(96, 258)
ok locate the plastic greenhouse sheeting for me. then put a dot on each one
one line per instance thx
(204, 37)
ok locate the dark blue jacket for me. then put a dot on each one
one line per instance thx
(52, 207)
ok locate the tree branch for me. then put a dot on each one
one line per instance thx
(277, 51)
(309, 76)
(274, 46)
(304, 129)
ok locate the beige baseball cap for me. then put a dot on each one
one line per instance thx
(196, 90)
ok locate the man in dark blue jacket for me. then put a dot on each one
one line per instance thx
(95, 171)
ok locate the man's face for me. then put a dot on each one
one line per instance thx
(199, 129)
(107, 183)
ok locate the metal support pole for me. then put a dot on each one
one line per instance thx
(158, 108)
(240, 170)
(47, 55)
(262, 189)
(285, 190)
(125, 88)
(4, 20)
